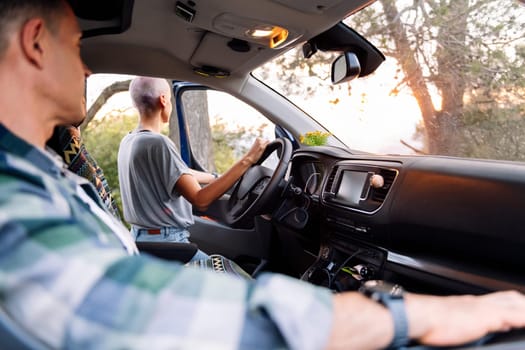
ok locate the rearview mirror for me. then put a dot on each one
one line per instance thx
(345, 67)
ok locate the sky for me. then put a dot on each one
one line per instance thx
(98, 82)
(372, 118)
(362, 113)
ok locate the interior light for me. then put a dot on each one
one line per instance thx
(271, 36)
(260, 33)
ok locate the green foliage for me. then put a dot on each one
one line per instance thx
(102, 138)
(314, 138)
(471, 51)
(223, 150)
(230, 144)
(494, 134)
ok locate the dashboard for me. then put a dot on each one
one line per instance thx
(428, 223)
(434, 225)
(346, 195)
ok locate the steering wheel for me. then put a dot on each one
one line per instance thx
(259, 185)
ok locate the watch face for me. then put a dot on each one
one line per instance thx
(377, 286)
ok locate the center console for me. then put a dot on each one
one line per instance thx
(344, 265)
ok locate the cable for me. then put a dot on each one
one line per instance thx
(345, 262)
(308, 180)
(329, 277)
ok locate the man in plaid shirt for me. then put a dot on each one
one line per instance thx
(70, 273)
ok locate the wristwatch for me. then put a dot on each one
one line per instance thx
(391, 296)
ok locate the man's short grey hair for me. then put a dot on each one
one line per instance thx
(14, 13)
(145, 93)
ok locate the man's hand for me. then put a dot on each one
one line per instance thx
(258, 147)
(461, 319)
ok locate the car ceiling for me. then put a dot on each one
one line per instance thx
(160, 43)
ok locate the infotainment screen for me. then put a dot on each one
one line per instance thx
(352, 187)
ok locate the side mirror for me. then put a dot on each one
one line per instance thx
(345, 67)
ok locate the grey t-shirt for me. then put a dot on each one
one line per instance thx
(149, 166)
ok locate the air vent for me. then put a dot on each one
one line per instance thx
(379, 194)
(330, 181)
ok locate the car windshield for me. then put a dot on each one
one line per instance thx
(452, 83)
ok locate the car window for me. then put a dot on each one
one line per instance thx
(221, 128)
(452, 83)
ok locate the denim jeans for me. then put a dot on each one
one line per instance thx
(167, 234)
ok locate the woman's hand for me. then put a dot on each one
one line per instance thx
(255, 153)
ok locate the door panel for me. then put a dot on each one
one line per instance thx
(216, 130)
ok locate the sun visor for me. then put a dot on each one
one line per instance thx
(98, 17)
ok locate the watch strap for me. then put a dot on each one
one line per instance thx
(396, 306)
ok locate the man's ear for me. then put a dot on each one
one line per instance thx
(32, 41)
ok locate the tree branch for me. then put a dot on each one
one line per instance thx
(104, 96)
(417, 150)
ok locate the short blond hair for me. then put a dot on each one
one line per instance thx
(145, 93)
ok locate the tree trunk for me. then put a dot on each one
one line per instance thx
(450, 80)
(406, 56)
(196, 113)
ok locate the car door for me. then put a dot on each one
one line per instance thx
(216, 130)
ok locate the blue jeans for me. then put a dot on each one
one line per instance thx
(167, 234)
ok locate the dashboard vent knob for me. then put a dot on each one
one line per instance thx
(377, 181)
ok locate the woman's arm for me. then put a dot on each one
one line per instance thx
(202, 197)
(202, 177)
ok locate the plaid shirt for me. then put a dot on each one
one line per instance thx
(65, 277)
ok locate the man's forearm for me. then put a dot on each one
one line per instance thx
(359, 323)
